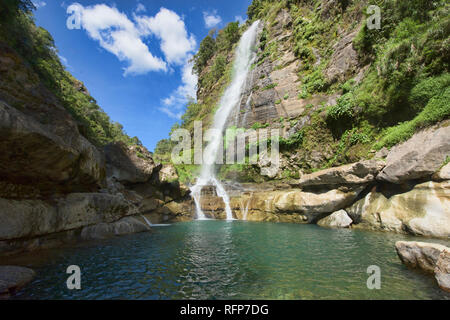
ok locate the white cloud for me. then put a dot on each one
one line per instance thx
(240, 19)
(176, 44)
(140, 8)
(118, 35)
(123, 37)
(39, 4)
(175, 103)
(211, 19)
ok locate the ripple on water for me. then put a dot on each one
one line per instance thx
(238, 260)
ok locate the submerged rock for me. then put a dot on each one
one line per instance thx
(338, 219)
(13, 279)
(419, 157)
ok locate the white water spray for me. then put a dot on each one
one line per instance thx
(245, 56)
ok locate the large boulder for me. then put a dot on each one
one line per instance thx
(358, 173)
(419, 157)
(421, 255)
(338, 219)
(12, 279)
(424, 210)
(129, 164)
(442, 271)
(430, 257)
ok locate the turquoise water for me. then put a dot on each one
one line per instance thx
(232, 260)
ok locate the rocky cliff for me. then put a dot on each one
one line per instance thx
(66, 172)
(362, 114)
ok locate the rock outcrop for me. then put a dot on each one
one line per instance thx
(127, 164)
(425, 210)
(359, 173)
(419, 157)
(430, 257)
(12, 279)
(338, 219)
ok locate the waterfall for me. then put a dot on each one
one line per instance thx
(153, 225)
(245, 56)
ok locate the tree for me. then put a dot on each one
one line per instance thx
(205, 52)
(10, 8)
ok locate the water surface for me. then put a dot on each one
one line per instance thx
(232, 260)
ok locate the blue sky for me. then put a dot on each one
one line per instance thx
(133, 55)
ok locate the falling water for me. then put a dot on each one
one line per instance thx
(245, 56)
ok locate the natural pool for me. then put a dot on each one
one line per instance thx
(232, 260)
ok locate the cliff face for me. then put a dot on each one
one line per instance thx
(340, 94)
(60, 182)
(337, 91)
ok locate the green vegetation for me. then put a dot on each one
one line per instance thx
(36, 46)
(404, 88)
(270, 86)
(258, 125)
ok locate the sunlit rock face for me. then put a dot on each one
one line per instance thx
(338, 219)
(425, 210)
(419, 157)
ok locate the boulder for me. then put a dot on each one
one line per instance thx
(338, 219)
(422, 255)
(358, 173)
(13, 279)
(442, 271)
(424, 210)
(419, 157)
(129, 164)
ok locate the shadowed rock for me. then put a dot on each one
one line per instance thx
(12, 279)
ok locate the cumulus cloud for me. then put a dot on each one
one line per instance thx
(118, 35)
(211, 19)
(124, 38)
(174, 104)
(170, 28)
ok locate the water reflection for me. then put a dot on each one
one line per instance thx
(233, 260)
